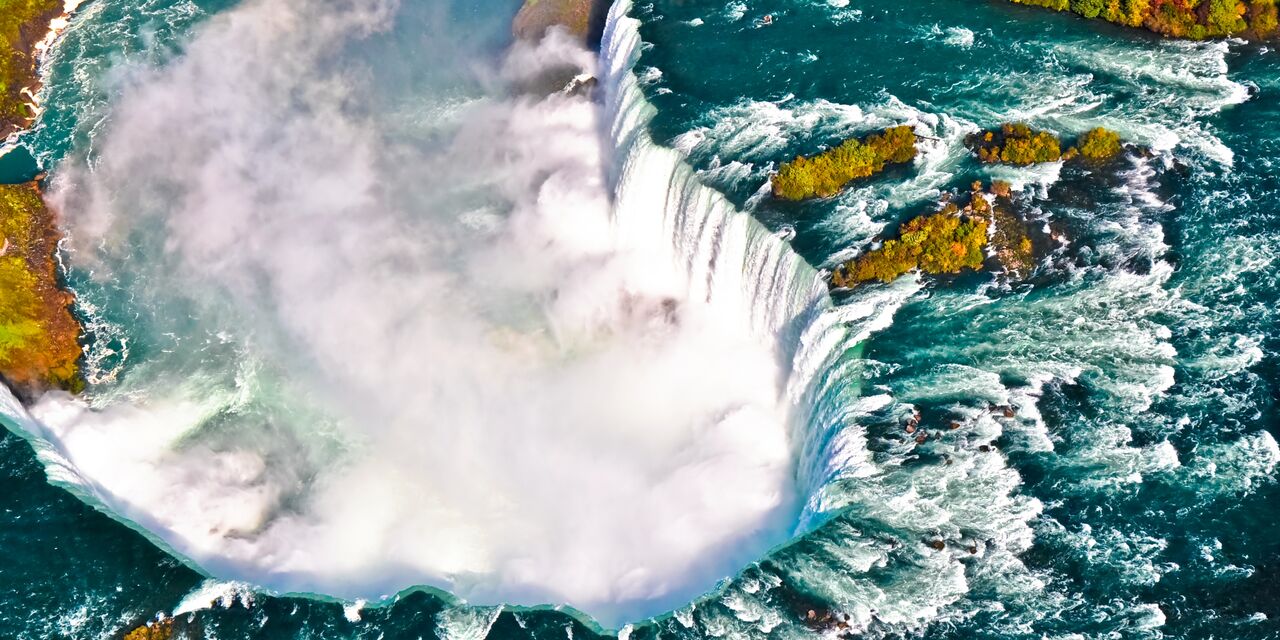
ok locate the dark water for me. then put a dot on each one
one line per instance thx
(1133, 493)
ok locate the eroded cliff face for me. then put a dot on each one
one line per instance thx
(39, 338)
(582, 18)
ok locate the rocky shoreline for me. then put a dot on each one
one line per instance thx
(24, 27)
(39, 336)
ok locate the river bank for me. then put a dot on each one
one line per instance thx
(39, 337)
(1192, 20)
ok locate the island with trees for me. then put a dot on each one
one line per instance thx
(827, 173)
(955, 238)
(1020, 145)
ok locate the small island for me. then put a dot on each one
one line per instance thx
(827, 173)
(951, 240)
(1020, 145)
(1193, 19)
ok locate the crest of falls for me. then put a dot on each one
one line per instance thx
(609, 390)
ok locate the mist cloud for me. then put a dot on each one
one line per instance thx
(396, 338)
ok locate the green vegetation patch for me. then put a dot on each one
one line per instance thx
(39, 338)
(825, 174)
(1195, 19)
(948, 241)
(23, 23)
(1017, 144)
(1099, 144)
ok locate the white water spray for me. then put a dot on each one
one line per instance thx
(508, 366)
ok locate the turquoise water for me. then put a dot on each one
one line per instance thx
(1132, 493)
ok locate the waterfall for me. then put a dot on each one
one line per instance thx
(736, 264)
(744, 275)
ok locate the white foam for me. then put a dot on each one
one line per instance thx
(215, 593)
(411, 406)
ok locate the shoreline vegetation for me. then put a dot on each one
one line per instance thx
(826, 174)
(1020, 145)
(39, 337)
(24, 25)
(1191, 19)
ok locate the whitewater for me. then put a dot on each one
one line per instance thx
(592, 390)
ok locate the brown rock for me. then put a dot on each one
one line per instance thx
(537, 16)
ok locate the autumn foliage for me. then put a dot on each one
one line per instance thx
(1099, 144)
(1195, 19)
(1016, 144)
(162, 630)
(825, 174)
(39, 338)
(23, 23)
(948, 241)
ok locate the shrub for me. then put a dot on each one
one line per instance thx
(825, 174)
(1099, 144)
(944, 242)
(1016, 144)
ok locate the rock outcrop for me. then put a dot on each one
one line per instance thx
(582, 18)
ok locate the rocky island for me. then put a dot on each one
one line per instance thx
(955, 238)
(1020, 145)
(827, 173)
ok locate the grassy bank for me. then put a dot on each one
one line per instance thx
(536, 16)
(39, 338)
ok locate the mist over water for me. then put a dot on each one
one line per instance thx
(392, 349)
